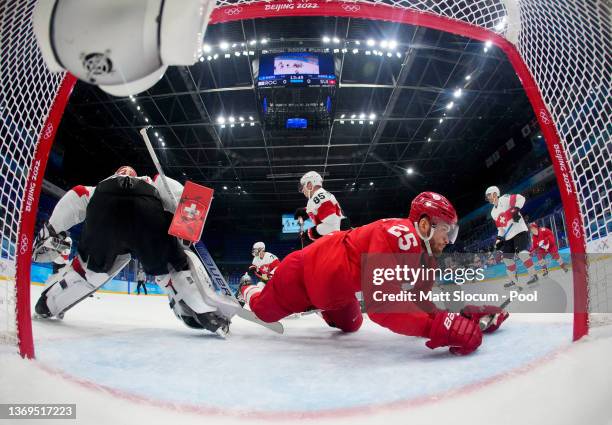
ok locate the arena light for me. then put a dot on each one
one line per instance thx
(383, 44)
(361, 116)
(252, 124)
(368, 53)
(342, 116)
(336, 50)
(156, 134)
(232, 119)
(207, 48)
(344, 50)
(392, 44)
(237, 53)
(209, 58)
(234, 45)
(138, 108)
(353, 116)
(450, 105)
(223, 45)
(371, 122)
(361, 122)
(163, 144)
(242, 125)
(201, 58)
(336, 40)
(215, 56)
(355, 51)
(468, 77)
(371, 183)
(457, 93)
(146, 119)
(489, 43)
(253, 42)
(372, 116)
(441, 120)
(250, 118)
(399, 55)
(227, 56)
(370, 42)
(326, 39)
(389, 54)
(409, 171)
(241, 119)
(357, 42)
(224, 187)
(429, 139)
(264, 41)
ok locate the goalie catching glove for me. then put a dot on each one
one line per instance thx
(49, 244)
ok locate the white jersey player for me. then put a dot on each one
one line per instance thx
(124, 215)
(512, 233)
(264, 263)
(322, 207)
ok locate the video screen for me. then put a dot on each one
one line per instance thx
(297, 68)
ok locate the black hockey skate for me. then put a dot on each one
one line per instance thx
(544, 271)
(533, 280)
(214, 323)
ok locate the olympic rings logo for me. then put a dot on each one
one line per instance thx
(233, 11)
(23, 246)
(48, 131)
(544, 116)
(351, 7)
(576, 228)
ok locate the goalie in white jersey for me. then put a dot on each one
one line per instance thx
(512, 233)
(127, 215)
(322, 207)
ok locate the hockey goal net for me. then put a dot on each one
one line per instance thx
(560, 50)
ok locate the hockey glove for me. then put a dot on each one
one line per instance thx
(498, 243)
(488, 317)
(301, 212)
(516, 214)
(48, 244)
(451, 329)
(313, 234)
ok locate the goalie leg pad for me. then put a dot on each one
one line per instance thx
(74, 285)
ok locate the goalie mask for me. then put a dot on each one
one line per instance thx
(124, 47)
(257, 248)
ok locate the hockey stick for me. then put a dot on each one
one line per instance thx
(201, 251)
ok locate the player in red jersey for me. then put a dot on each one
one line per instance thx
(327, 274)
(542, 244)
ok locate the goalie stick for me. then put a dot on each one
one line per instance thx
(203, 253)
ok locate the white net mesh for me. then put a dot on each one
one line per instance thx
(27, 91)
(565, 45)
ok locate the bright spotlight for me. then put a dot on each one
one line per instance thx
(392, 44)
(326, 39)
(457, 93)
(336, 40)
(450, 105)
(355, 51)
(223, 45)
(361, 116)
(441, 120)
(489, 43)
(232, 119)
(383, 44)
(372, 116)
(468, 77)
(370, 42)
(207, 48)
(409, 170)
(342, 116)
(264, 41)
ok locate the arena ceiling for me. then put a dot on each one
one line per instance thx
(434, 106)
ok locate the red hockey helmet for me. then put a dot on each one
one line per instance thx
(438, 209)
(126, 170)
(533, 224)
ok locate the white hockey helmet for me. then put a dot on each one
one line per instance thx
(492, 190)
(257, 248)
(124, 47)
(310, 177)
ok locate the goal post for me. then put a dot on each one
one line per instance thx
(560, 51)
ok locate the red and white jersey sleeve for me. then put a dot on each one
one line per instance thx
(265, 267)
(170, 201)
(71, 208)
(324, 211)
(502, 216)
(544, 239)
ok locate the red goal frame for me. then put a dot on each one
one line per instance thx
(329, 8)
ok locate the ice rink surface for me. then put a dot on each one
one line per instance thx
(126, 358)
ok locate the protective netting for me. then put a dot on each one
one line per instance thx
(565, 45)
(27, 91)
